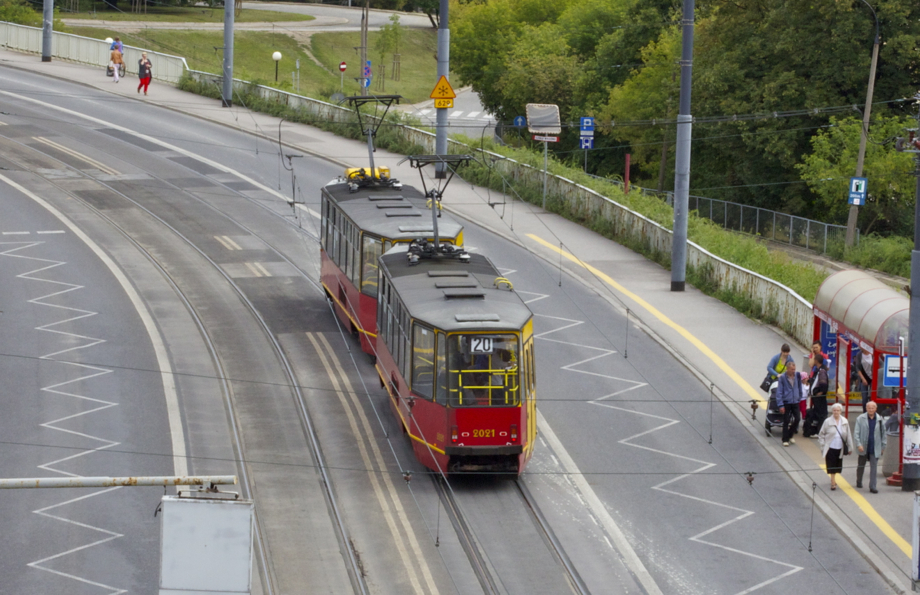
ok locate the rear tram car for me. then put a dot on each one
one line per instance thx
(362, 217)
(455, 352)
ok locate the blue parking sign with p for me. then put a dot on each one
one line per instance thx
(587, 123)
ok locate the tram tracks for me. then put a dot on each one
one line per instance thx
(353, 564)
(487, 573)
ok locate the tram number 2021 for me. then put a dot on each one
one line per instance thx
(481, 344)
(483, 433)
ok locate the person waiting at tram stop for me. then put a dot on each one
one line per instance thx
(777, 363)
(863, 365)
(871, 440)
(789, 393)
(819, 385)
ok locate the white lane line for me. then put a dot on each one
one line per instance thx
(97, 164)
(82, 342)
(620, 541)
(177, 435)
(52, 231)
(454, 115)
(309, 210)
(16, 233)
(704, 465)
(110, 536)
(355, 413)
(261, 268)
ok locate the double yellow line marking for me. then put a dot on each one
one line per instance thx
(97, 164)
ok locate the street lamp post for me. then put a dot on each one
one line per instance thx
(854, 210)
(277, 58)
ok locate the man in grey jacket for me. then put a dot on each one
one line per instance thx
(788, 394)
(870, 444)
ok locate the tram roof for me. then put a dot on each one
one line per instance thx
(393, 213)
(452, 295)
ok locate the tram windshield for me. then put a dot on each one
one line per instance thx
(484, 371)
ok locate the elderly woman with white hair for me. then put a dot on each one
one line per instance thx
(835, 439)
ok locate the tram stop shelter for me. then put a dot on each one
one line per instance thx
(857, 315)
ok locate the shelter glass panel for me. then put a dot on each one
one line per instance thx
(484, 370)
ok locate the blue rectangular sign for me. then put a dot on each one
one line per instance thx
(587, 142)
(858, 191)
(892, 371)
(587, 123)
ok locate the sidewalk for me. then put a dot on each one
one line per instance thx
(718, 344)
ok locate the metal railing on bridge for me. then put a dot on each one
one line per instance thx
(86, 50)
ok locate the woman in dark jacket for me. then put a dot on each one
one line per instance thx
(145, 72)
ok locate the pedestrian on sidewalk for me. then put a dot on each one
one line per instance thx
(815, 350)
(819, 385)
(117, 64)
(145, 72)
(870, 443)
(788, 395)
(832, 437)
(777, 363)
(118, 45)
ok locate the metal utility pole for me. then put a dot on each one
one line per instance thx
(911, 480)
(227, 87)
(682, 155)
(854, 210)
(47, 29)
(440, 139)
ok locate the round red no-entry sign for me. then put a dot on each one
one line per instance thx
(342, 67)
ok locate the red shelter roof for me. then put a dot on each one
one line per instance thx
(866, 307)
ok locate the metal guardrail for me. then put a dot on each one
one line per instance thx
(85, 50)
(776, 226)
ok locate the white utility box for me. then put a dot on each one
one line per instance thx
(205, 546)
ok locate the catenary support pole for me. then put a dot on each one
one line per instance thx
(911, 481)
(47, 29)
(440, 139)
(682, 155)
(226, 93)
(860, 157)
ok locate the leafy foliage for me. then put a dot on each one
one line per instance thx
(617, 60)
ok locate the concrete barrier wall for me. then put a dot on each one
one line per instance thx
(86, 50)
(791, 311)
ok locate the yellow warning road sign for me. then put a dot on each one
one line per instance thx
(443, 103)
(443, 90)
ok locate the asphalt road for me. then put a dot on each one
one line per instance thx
(624, 465)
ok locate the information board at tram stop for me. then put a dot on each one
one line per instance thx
(858, 191)
(443, 94)
(892, 370)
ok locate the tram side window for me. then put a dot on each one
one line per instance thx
(381, 304)
(370, 252)
(423, 361)
(404, 328)
(325, 221)
(441, 368)
(484, 371)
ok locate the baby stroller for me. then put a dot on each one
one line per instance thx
(774, 417)
(110, 69)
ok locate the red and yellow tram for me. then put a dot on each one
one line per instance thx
(362, 218)
(455, 352)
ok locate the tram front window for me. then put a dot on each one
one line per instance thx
(484, 371)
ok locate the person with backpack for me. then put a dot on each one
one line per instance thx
(819, 384)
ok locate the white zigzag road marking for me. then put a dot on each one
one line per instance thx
(84, 342)
(537, 296)
(704, 465)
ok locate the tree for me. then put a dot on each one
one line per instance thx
(832, 161)
(20, 12)
(389, 38)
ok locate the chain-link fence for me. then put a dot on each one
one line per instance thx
(772, 225)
